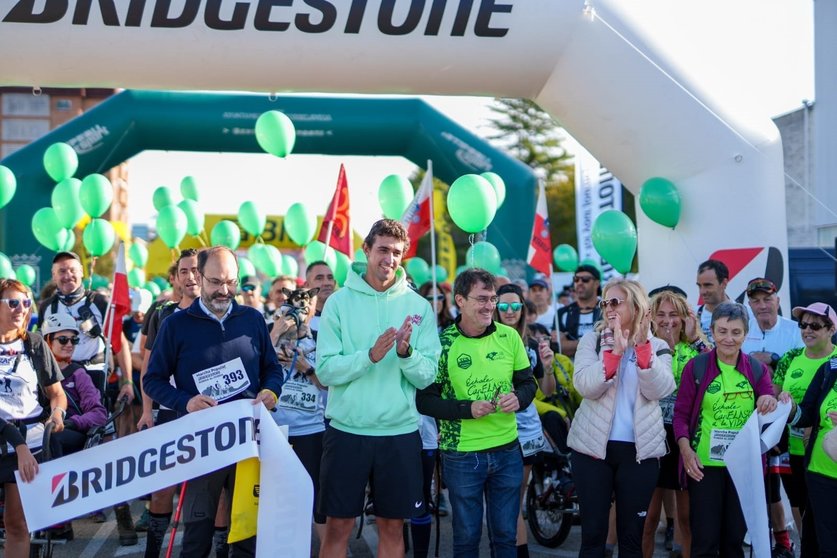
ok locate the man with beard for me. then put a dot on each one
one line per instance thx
(576, 319)
(213, 321)
(319, 274)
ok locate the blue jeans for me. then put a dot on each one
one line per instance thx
(496, 476)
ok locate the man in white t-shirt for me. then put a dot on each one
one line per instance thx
(540, 293)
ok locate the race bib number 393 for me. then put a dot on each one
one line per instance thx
(222, 381)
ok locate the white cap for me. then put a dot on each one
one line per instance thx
(59, 322)
(141, 300)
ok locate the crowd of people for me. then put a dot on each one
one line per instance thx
(383, 384)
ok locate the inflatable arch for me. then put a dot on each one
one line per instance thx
(584, 61)
(131, 121)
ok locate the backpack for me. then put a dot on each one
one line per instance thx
(702, 360)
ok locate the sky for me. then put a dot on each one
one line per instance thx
(754, 54)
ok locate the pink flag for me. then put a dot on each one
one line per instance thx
(540, 248)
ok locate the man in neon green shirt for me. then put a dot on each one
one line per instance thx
(484, 378)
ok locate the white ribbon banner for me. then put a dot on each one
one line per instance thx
(170, 454)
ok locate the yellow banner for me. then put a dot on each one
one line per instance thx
(446, 250)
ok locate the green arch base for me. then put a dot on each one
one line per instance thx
(133, 121)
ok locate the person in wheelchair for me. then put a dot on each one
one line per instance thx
(84, 401)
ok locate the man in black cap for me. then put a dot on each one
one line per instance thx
(576, 319)
(251, 293)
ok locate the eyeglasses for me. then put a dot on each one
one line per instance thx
(612, 302)
(248, 288)
(218, 283)
(484, 300)
(506, 306)
(813, 325)
(15, 302)
(582, 279)
(431, 298)
(735, 394)
(63, 339)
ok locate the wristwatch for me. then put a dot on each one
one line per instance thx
(774, 359)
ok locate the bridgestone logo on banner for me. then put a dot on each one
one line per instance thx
(167, 455)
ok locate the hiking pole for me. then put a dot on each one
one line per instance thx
(176, 521)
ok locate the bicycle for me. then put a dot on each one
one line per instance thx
(551, 501)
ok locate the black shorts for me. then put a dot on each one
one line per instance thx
(392, 464)
(669, 463)
(8, 466)
(795, 483)
(309, 450)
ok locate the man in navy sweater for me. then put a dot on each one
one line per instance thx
(217, 351)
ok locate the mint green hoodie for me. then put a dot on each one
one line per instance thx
(374, 399)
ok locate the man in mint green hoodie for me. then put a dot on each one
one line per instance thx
(376, 346)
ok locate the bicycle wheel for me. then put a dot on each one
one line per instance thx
(550, 514)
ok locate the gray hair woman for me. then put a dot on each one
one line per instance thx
(718, 392)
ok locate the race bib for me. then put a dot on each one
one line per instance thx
(222, 381)
(299, 396)
(533, 446)
(719, 442)
(667, 408)
(797, 432)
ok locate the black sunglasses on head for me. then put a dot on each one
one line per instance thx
(63, 339)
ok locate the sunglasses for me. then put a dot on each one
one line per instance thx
(63, 339)
(506, 306)
(15, 302)
(248, 288)
(582, 279)
(431, 298)
(612, 302)
(813, 325)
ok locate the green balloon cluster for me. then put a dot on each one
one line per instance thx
(394, 196)
(245, 268)
(341, 270)
(360, 256)
(660, 201)
(251, 218)
(95, 195)
(484, 255)
(48, 230)
(6, 269)
(317, 251)
(160, 282)
(162, 197)
(98, 237)
(290, 266)
(136, 278)
(194, 216)
(226, 233)
(498, 184)
(138, 254)
(60, 161)
(441, 273)
(69, 241)
(26, 274)
(614, 237)
(66, 202)
(300, 224)
(8, 185)
(171, 225)
(189, 188)
(98, 282)
(472, 203)
(566, 257)
(419, 270)
(275, 133)
(266, 258)
(153, 288)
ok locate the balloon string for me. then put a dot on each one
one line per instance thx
(92, 265)
(203, 244)
(174, 254)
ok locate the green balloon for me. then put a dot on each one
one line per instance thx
(498, 184)
(317, 251)
(194, 216)
(98, 237)
(226, 233)
(171, 225)
(69, 240)
(441, 273)
(484, 255)
(252, 218)
(98, 282)
(472, 203)
(300, 224)
(341, 270)
(275, 133)
(48, 230)
(462, 268)
(162, 197)
(245, 268)
(360, 256)
(66, 203)
(289, 265)
(8, 185)
(594, 263)
(566, 257)
(153, 288)
(6, 269)
(660, 201)
(96, 194)
(138, 254)
(266, 258)
(419, 270)
(614, 238)
(189, 188)
(60, 161)
(136, 278)
(25, 274)
(394, 196)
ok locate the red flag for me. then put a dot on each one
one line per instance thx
(120, 302)
(540, 248)
(417, 215)
(336, 230)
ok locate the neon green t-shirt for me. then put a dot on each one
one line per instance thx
(794, 374)
(727, 404)
(820, 462)
(472, 369)
(683, 353)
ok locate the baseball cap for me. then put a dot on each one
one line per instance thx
(592, 270)
(818, 309)
(59, 322)
(761, 284)
(64, 255)
(249, 281)
(539, 283)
